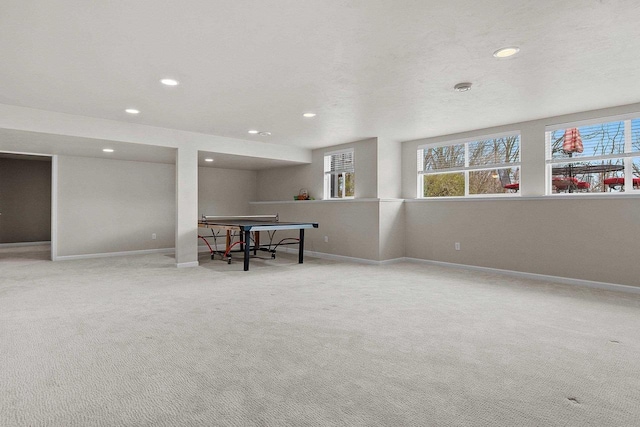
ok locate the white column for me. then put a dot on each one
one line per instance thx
(54, 208)
(186, 207)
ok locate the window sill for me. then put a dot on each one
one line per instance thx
(574, 196)
(363, 200)
(577, 196)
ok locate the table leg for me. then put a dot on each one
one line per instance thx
(256, 242)
(247, 247)
(301, 246)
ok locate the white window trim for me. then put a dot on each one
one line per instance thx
(343, 151)
(590, 122)
(466, 168)
(627, 156)
(328, 174)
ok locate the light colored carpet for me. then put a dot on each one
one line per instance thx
(133, 341)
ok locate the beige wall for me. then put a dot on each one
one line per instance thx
(351, 226)
(365, 227)
(589, 239)
(25, 200)
(366, 160)
(389, 168)
(392, 229)
(225, 191)
(114, 206)
(284, 183)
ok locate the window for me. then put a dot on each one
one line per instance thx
(339, 174)
(486, 166)
(600, 157)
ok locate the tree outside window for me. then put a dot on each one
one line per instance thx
(609, 160)
(470, 168)
(339, 173)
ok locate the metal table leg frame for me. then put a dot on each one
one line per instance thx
(247, 249)
(301, 247)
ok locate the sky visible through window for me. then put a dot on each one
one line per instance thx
(598, 140)
(601, 160)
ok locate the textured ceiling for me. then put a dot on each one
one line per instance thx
(14, 142)
(368, 68)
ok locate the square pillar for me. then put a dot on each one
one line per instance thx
(186, 207)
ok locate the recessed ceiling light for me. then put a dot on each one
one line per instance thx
(132, 111)
(169, 82)
(462, 87)
(208, 160)
(506, 52)
(253, 132)
(309, 114)
(265, 133)
(108, 150)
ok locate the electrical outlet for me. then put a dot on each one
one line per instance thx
(457, 245)
(153, 236)
(326, 239)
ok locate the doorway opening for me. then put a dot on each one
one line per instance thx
(25, 207)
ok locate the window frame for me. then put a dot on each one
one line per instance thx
(627, 156)
(466, 169)
(329, 174)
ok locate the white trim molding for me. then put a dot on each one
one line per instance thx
(343, 258)
(303, 202)
(115, 254)
(187, 264)
(543, 277)
(556, 279)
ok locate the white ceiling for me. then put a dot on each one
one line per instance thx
(14, 143)
(231, 161)
(368, 68)
(22, 142)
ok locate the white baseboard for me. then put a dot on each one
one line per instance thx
(112, 254)
(344, 258)
(187, 264)
(557, 279)
(19, 244)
